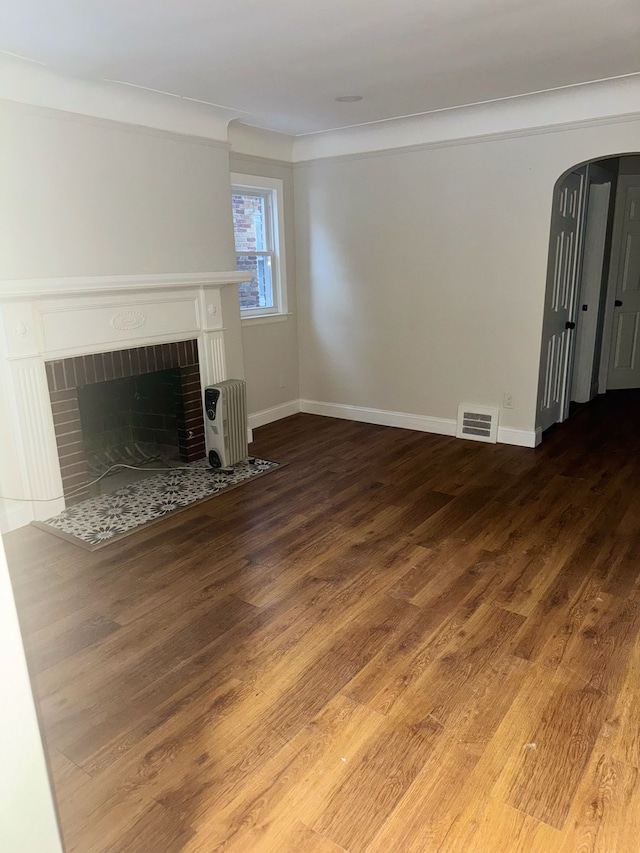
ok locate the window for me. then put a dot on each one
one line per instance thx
(259, 235)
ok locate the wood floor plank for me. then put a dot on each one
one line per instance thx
(296, 839)
(154, 829)
(455, 579)
(447, 686)
(605, 817)
(137, 742)
(561, 633)
(474, 795)
(573, 585)
(525, 577)
(621, 730)
(296, 781)
(145, 662)
(70, 779)
(547, 776)
(52, 649)
(244, 650)
(376, 781)
(303, 838)
(599, 651)
(624, 560)
(503, 829)
(424, 815)
(268, 720)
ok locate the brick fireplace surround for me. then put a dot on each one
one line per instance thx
(64, 376)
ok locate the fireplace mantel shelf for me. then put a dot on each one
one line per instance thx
(41, 288)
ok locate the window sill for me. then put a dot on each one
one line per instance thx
(259, 319)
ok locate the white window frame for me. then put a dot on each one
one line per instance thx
(273, 188)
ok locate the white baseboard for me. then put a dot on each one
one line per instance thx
(275, 413)
(404, 420)
(14, 516)
(519, 437)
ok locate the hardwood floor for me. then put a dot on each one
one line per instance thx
(395, 642)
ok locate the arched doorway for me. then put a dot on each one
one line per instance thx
(591, 326)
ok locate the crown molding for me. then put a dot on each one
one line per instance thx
(473, 140)
(111, 124)
(249, 141)
(31, 84)
(253, 159)
(584, 105)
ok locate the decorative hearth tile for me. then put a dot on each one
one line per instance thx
(96, 521)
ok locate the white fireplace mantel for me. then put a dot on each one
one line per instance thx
(38, 288)
(47, 319)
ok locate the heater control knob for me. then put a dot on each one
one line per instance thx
(211, 397)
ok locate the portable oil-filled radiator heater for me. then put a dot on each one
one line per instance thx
(225, 405)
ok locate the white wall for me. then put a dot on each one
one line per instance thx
(27, 815)
(270, 348)
(421, 272)
(88, 197)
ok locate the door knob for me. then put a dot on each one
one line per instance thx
(569, 325)
(618, 303)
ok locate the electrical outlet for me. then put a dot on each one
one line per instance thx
(507, 400)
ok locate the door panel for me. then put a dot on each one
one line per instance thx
(631, 264)
(560, 308)
(624, 365)
(589, 319)
(624, 356)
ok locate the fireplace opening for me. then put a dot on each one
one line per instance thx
(132, 421)
(140, 407)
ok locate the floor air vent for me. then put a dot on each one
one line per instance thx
(479, 423)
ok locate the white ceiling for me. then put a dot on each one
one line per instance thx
(283, 62)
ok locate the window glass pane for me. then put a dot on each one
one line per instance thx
(249, 223)
(257, 293)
